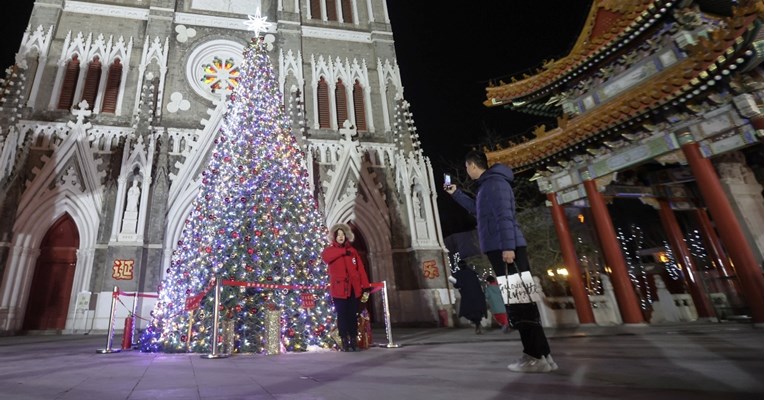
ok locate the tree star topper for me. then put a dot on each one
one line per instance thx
(257, 23)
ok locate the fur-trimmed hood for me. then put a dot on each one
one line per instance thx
(346, 229)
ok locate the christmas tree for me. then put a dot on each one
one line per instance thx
(256, 227)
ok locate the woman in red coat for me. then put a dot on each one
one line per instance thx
(347, 282)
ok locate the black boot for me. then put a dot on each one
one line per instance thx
(352, 343)
(347, 344)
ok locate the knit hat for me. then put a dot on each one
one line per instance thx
(346, 229)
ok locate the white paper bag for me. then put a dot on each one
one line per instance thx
(513, 291)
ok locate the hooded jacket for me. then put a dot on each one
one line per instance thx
(494, 209)
(346, 270)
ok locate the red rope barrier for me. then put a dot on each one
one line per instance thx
(272, 285)
(377, 286)
(121, 293)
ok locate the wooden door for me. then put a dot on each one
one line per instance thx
(51, 288)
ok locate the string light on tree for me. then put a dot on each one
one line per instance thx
(254, 223)
(630, 246)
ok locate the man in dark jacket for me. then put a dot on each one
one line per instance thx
(503, 243)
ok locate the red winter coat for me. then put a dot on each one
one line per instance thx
(345, 271)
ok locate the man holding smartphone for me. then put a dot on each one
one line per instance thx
(503, 243)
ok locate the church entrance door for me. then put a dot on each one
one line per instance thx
(51, 286)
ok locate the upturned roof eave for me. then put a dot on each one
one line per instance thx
(583, 48)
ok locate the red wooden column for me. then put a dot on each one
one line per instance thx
(625, 292)
(715, 249)
(725, 281)
(581, 300)
(748, 271)
(685, 260)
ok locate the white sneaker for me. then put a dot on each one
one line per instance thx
(553, 364)
(528, 363)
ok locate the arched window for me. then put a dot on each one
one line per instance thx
(72, 74)
(345, 5)
(331, 10)
(323, 96)
(92, 79)
(112, 91)
(358, 107)
(341, 102)
(315, 9)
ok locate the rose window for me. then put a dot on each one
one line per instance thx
(221, 74)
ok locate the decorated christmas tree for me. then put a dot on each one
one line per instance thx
(254, 226)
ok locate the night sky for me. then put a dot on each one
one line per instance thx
(447, 53)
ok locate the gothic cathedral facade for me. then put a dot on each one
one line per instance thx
(107, 121)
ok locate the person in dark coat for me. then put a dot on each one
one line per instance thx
(347, 282)
(501, 239)
(472, 299)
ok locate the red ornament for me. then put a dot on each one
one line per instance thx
(208, 249)
(235, 235)
(250, 251)
(242, 180)
(290, 332)
(227, 158)
(238, 308)
(221, 231)
(258, 233)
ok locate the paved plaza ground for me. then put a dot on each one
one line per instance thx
(688, 361)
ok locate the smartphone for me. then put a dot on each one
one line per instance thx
(447, 180)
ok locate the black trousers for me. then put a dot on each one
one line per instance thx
(524, 317)
(347, 316)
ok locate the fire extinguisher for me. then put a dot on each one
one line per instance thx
(127, 334)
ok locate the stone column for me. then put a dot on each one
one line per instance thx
(581, 300)
(744, 195)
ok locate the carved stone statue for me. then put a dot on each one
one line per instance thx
(132, 197)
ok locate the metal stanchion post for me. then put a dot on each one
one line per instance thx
(133, 341)
(214, 344)
(108, 349)
(386, 311)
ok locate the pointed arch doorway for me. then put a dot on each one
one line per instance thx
(50, 292)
